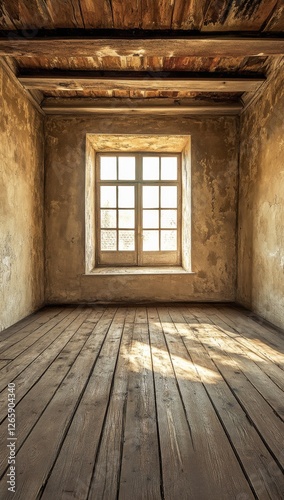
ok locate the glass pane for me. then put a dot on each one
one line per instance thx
(168, 218)
(151, 168)
(126, 167)
(126, 196)
(169, 197)
(150, 196)
(108, 196)
(108, 240)
(108, 168)
(150, 218)
(126, 218)
(108, 218)
(168, 240)
(169, 168)
(126, 240)
(150, 241)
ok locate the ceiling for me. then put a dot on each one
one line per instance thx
(90, 55)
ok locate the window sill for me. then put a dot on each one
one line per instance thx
(112, 271)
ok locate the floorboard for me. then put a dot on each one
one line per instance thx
(144, 402)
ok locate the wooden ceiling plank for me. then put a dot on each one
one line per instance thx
(162, 82)
(33, 15)
(97, 13)
(275, 23)
(65, 13)
(126, 15)
(157, 14)
(8, 13)
(47, 14)
(188, 15)
(208, 15)
(237, 16)
(131, 45)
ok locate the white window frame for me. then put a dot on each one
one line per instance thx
(138, 257)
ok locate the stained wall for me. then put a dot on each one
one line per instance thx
(261, 203)
(214, 165)
(21, 203)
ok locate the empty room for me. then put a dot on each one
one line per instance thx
(142, 249)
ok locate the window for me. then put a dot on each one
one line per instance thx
(138, 200)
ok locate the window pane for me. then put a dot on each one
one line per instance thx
(126, 218)
(108, 168)
(168, 218)
(151, 168)
(168, 168)
(126, 196)
(168, 240)
(150, 241)
(126, 240)
(169, 197)
(150, 218)
(108, 240)
(150, 196)
(108, 218)
(108, 196)
(126, 167)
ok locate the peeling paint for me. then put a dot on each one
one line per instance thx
(261, 205)
(21, 204)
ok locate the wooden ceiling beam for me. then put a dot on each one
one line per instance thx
(163, 81)
(137, 43)
(161, 106)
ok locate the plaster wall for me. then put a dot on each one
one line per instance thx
(21, 203)
(261, 203)
(214, 194)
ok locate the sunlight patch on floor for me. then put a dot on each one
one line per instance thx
(139, 360)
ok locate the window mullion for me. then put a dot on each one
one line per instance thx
(117, 234)
(160, 176)
(139, 208)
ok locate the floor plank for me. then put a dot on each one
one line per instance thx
(31, 352)
(263, 346)
(214, 458)
(38, 454)
(144, 402)
(257, 409)
(29, 376)
(25, 327)
(140, 468)
(41, 393)
(41, 332)
(141, 315)
(248, 323)
(105, 480)
(254, 372)
(245, 439)
(267, 365)
(76, 458)
(4, 362)
(176, 442)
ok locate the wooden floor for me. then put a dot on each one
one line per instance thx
(168, 402)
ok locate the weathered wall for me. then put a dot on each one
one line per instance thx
(21, 204)
(214, 191)
(261, 204)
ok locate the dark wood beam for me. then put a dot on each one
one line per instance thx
(163, 81)
(80, 43)
(162, 106)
